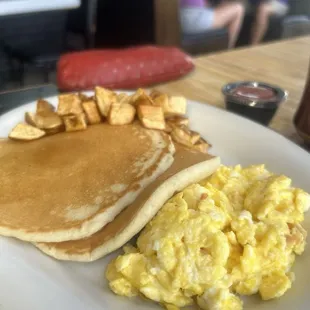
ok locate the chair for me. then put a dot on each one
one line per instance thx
(168, 31)
(296, 25)
(81, 26)
(34, 39)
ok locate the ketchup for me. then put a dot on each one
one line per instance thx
(255, 93)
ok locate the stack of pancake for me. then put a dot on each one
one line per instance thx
(80, 196)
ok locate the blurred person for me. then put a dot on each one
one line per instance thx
(199, 15)
(264, 9)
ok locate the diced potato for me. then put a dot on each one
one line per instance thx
(123, 98)
(26, 132)
(185, 136)
(83, 97)
(176, 106)
(44, 107)
(91, 111)
(48, 121)
(162, 100)
(202, 146)
(168, 128)
(136, 95)
(104, 98)
(121, 114)
(143, 99)
(155, 93)
(75, 122)
(69, 104)
(173, 106)
(151, 117)
(30, 119)
(52, 131)
(178, 121)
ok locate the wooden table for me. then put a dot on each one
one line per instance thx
(284, 63)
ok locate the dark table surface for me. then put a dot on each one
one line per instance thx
(12, 99)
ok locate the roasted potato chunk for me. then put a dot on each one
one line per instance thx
(136, 95)
(151, 117)
(84, 97)
(163, 102)
(69, 104)
(178, 121)
(173, 106)
(75, 122)
(123, 98)
(202, 146)
(168, 128)
(143, 99)
(44, 107)
(121, 114)
(50, 122)
(104, 98)
(91, 111)
(30, 119)
(176, 106)
(185, 136)
(155, 93)
(26, 132)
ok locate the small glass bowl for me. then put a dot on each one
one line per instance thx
(256, 107)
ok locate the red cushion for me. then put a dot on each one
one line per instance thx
(123, 69)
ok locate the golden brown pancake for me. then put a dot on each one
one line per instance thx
(188, 167)
(68, 186)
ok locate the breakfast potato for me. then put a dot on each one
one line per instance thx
(121, 114)
(104, 98)
(75, 122)
(123, 98)
(84, 97)
(176, 106)
(48, 121)
(91, 111)
(44, 107)
(26, 132)
(202, 146)
(143, 99)
(155, 93)
(173, 106)
(178, 121)
(136, 96)
(30, 119)
(168, 128)
(185, 136)
(69, 104)
(151, 117)
(162, 101)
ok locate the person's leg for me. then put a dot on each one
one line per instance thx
(261, 23)
(196, 20)
(229, 15)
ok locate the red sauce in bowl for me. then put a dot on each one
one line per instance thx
(255, 93)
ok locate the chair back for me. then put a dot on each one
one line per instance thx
(34, 34)
(167, 22)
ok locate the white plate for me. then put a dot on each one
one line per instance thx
(31, 280)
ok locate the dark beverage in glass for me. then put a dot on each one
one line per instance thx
(302, 116)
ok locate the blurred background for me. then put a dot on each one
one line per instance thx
(33, 34)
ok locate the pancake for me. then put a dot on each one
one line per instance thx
(68, 186)
(188, 167)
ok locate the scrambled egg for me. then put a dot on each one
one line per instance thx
(236, 233)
